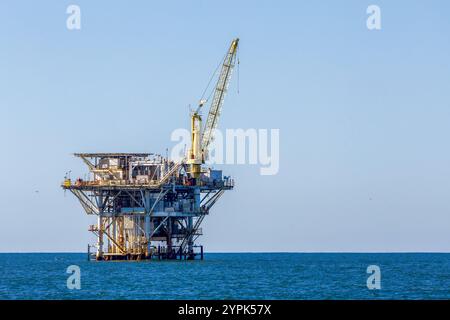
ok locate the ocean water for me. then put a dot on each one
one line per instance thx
(228, 276)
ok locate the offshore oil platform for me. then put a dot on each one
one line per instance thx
(147, 205)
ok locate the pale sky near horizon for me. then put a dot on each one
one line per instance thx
(364, 116)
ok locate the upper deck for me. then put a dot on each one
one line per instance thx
(142, 171)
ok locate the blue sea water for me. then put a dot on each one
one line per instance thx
(228, 276)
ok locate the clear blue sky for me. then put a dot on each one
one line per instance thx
(364, 116)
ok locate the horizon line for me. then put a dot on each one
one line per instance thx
(250, 252)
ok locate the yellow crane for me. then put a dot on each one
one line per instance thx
(202, 137)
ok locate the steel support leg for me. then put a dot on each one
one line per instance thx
(100, 237)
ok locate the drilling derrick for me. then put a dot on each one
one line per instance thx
(151, 207)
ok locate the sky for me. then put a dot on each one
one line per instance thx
(364, 116)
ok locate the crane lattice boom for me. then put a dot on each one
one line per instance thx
(219, 95)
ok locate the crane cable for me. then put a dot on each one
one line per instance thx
(238, 63)
(211, 79)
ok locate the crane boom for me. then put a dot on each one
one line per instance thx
(219, 95)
